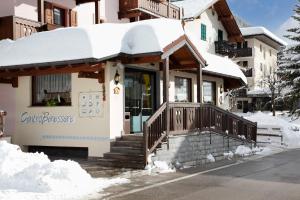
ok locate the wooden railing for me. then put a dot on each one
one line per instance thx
(231, 50)
(188, 118)
(160, 9)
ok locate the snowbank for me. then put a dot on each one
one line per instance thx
(210, 158)
(243, 151)
(290, 130)
(34, 176)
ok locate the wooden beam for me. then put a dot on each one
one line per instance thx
(97, 18)
(140, 60)
(226, 18)
(166, 85)
(13, 81)
(51, 70)
(41, 13)
(199, 84)
(93, 75)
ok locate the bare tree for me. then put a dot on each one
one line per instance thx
(273, 85)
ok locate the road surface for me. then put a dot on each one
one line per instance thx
(275, 177)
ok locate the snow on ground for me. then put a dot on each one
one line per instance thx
(210, 158)
(33, 176)
(290, 126)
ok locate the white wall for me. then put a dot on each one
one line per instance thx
(212, 26)
(8, 104)
(6, 8)
(94, 133)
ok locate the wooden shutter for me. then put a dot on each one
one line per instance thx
(73, 18)
(48, 13)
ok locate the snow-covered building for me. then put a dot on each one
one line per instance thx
(213, 25)
(80, 96)
(257, 66)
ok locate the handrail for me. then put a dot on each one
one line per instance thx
(191, 117)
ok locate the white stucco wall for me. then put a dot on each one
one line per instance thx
(28, 8)
(6, 8)
(212, 26)
(94, 133)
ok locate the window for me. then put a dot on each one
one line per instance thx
(209, 92)
(239, 45)
(203, 32)
(245, 45)
(59, 16)
(264, 53)
(239, 105)
(220, 35)
(261, 67)
(183, 88)
(260, 48)
(245, 63)
(51, 90)
(270, 51)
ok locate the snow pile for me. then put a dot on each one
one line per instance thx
(228, 155)
(96, 42)
(248, 31)
(290, 130)
(163, 167)
(210, 158)
(243, 151)
(34, 176)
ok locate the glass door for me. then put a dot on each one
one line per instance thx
(139, 97)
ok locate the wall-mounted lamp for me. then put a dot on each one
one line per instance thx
(117, 78)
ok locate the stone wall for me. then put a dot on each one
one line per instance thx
(193, 149)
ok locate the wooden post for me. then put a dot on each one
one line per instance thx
(166, 82)
(97, 12)
(199, 83)
(168, 14)
(41, 16)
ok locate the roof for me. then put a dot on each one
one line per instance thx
(259, 30)
(97, 42)
(194, 8)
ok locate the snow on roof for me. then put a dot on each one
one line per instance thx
(259, 30)
(194, 8)
(92, 42)
(217, 64)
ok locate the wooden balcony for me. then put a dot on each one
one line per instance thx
(227, 49)
(13, 27)
(148, 9)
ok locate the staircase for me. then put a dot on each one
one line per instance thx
(125, 152)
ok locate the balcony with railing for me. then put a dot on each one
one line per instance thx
(152, 8)
(227, 49)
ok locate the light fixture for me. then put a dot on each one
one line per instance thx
(117, 78)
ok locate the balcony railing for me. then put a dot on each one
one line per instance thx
(155, 8)
(227, 49)
(16, 27)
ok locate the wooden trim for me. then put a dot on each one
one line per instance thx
(41, 11)
(97, 15)
(52, 70)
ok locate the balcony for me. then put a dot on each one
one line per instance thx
(148, 9)
(13, 27)
(227, 49)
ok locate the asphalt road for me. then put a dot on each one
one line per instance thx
(275, 177)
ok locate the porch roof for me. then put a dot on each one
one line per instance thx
(93, 44)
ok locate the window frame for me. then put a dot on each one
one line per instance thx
(203, 32)
(190, 93)
(34, 102)
(62, 17)
(214, 92)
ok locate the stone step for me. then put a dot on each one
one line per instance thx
(126, 149)
(121, 163)
(124, 156)
(130, 138)
(122, 143)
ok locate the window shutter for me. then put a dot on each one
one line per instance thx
(73, 18)
(48, 13)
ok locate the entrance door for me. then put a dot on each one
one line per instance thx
(139, 97)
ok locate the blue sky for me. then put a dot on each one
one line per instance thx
(271, 14)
